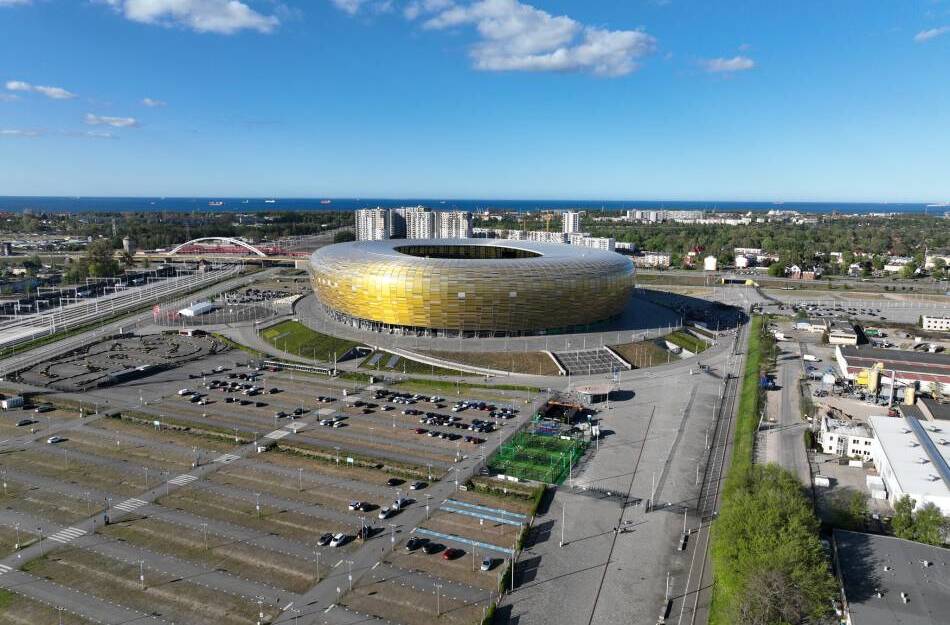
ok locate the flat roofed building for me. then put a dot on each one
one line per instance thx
(891, 581)
(420, 223)
(570, 222)
(845, 438)
(842, 333)
(933, 410)
(372, 224)
(197, 309)
(929, 370)
(912, 458)
(652, 259)
(939, 324)
(453, 225)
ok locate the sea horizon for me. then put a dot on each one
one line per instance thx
(112, 204)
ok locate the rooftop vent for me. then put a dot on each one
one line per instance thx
(906, 430)
(913, 444)
(933, 428)
(922, 461)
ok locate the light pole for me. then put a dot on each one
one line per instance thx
(349, 575)
(204, 530)
(428, 499)
(299, 479)
(317, 554)
(438, 599)
(142, 573)
(16, 546)
(257, 504)
(563, 518)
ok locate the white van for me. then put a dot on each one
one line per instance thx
(185, 391)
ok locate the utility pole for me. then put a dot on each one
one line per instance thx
(563, 517)
(438, 599)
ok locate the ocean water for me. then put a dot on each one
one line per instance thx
(180, 204)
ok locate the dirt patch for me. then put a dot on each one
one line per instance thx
(410, 606)
(252, 562)
(171, 598)
(163, 435)
(49, 505)
(18, 610)
(291, 525)
(86, 474)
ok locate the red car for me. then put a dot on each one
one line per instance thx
(452, 554)
(421, 431)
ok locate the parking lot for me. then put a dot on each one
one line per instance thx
(216, 491)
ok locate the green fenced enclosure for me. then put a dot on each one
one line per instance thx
(539, 458)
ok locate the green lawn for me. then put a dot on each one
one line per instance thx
(405, 365)
(687, 341)
(296, 338)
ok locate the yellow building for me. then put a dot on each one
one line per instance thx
(471, 285)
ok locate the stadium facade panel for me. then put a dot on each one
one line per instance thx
(470, 285)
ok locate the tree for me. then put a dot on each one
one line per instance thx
(777, 269)
(929, 525)
(32, 264)
(909, 270)
(101, 259)
(770, 565)
(857, 507)
(343, 236)
(903, 522)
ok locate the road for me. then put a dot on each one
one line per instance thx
(782, 441)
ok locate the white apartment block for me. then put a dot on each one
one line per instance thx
(542, 236)
(372, 224)
(598, 243)
(420, 224)
(645, 215)
(939, 324)
(648, 260)
(453, 225)
(571, 222)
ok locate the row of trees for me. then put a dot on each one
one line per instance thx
(906, 235)
(770, 566)
(157, 230)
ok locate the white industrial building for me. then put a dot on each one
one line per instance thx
(197, 309)
(845, 438)
(652, 259)
(911, 456)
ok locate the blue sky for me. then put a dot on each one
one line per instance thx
(639, 99)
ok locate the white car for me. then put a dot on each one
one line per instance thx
(338, 539)
(384, 513)
(52, 440)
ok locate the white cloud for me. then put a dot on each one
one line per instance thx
(115, 122)
(415, 8)
(56, 93)
(727, 66)
(153, 103)
(514, 36)
(91, 134)
(19, 132)
(204, 16)
(13, 3)
(932, 33)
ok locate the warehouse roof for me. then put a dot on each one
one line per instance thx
(902, 360)
(870, 565)
(918, 452)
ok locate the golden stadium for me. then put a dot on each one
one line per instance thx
(480, 286)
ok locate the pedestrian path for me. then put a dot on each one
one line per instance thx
(130, 504)
(67, 535)
(182, 479)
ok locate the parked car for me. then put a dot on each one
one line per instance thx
(414, 543)
(430, 548)
(486, 564)
(452, 554)
(324, 539)
(417, 486)
(52, 440)
(384, 513)
(394, 481)
(338, 540)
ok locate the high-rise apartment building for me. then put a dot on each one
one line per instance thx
(453, 225)
(372, 224)
(571, 222)
(420, 223)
